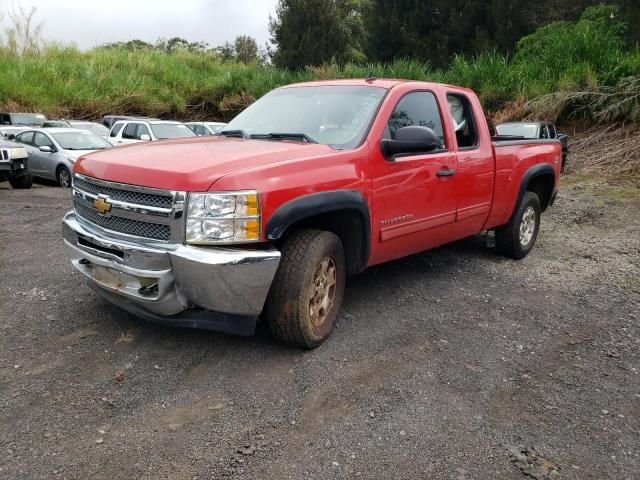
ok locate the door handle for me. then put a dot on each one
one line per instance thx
(445, 172)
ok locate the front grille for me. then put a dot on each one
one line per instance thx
(129, 196)
(138, 228)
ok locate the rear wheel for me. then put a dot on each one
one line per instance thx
(516, 238)
(63, 176)
(22, 181)
(308, 288)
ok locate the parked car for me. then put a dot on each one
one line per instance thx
(268, 218)
(53, 151)
(10, 132)
(205, 128)
(533, 130)
(109, 120)
(134, 131)
(28, 119)
(14, 165)
(93, 127)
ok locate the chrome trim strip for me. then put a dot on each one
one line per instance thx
(119, 204)
(127, 210)
(125, 186)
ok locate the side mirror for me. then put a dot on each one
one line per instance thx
(46, 149)
(11, 136)
(145, 138)
(413, 139)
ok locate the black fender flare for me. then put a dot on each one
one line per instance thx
(540, 170)
(317, 203)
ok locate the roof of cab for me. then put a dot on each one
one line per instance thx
(385, 83)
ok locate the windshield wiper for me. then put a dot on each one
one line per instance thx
(234, 133)
(284, 136)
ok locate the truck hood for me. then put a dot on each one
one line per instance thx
(190, 164)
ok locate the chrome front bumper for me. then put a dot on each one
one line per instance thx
(205, 287)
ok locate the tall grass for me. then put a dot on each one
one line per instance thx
(558, 61)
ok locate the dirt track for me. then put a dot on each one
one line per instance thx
(452, 364)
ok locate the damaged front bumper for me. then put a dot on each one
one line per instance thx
(215, 288)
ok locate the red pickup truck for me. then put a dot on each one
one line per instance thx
(310, 184)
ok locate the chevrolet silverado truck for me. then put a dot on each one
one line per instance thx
(311, 183)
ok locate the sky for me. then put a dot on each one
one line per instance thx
(89, 23)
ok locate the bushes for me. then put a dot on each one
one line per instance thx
(558, 62)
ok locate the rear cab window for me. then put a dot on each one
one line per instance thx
(464, 122)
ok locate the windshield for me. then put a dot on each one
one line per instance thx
(526, 130)
(332, 115)
(171, 130)
(216, 127)
(28, 118)
(93, 128)
(80, 141)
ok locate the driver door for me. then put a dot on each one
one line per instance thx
(413, 195)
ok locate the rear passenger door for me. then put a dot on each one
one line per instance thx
(26, 138)
(475, 176)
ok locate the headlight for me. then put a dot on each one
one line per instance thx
(232, 217)
(17, 152)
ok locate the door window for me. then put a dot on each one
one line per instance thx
(129, 132)
(463, 121)
(41, 140)
(142, 130)
(417, 108)
(116, 129)
(26, 137)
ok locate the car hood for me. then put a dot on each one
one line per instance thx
(190, 164)
(75, 154)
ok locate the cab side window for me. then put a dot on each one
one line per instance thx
(116, 129)
(142, 130)
(417, 108)
(463, 121)
(41, 140)
(130, 131)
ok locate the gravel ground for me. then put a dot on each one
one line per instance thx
(451, 364)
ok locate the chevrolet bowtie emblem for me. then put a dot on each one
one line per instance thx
(102, 205)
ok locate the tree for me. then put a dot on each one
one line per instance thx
(313, 32)
(246, 49)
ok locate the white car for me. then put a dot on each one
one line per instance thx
(11, 132)
(205, 128)
(134, 131)
(53, 151)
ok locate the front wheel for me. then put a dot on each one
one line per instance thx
(516, 238)
(63, 176)
(308, 288)
(22, 181)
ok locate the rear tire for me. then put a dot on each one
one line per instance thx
(63, 176)
(308, 289)
(516, 238)
(23, 181)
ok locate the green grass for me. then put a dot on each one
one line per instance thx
(586, 56)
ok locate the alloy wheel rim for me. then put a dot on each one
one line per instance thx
(527, 226)
(323, 291)
(64, 178)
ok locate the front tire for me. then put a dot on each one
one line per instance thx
(63, 176)
(516, 238)
(308, 289)
(23, 181)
